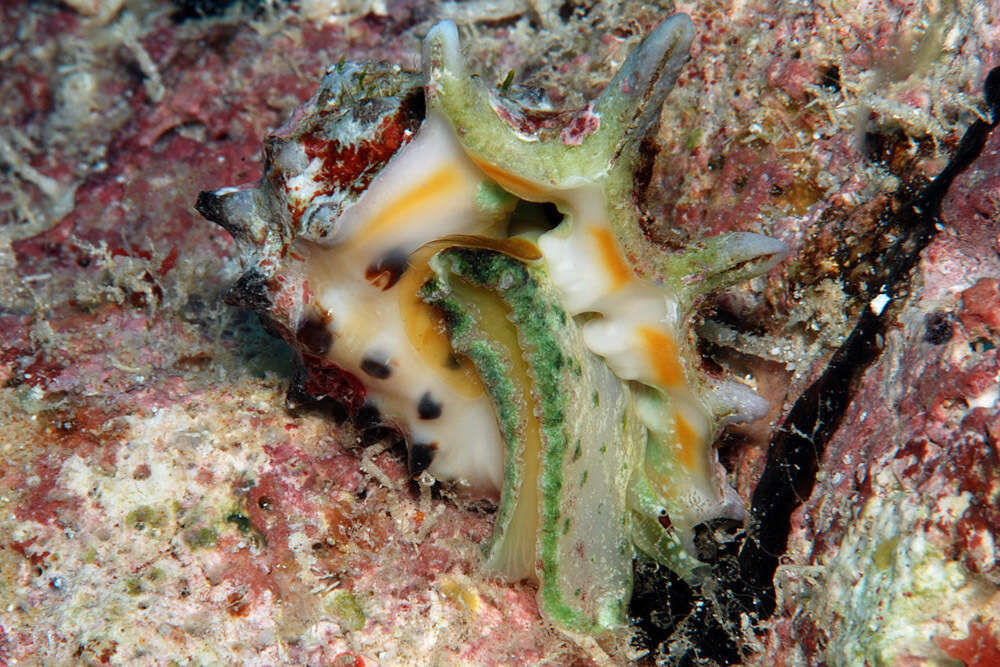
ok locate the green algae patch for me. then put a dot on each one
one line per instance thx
(238, 517)
(133, 586)
(201, 538)
(144, 517)
(240, 520)
(884, 555)
(346, 610)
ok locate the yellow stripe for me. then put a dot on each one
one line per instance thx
(688, 440)
(425, 328)
(521, 187)
(439, 186)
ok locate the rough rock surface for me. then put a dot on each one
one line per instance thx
(157, 500)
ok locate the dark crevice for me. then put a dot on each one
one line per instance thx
(187, 10)
(830, 78)
(668, 612)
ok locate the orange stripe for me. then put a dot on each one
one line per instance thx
(425, 328)
(688, 440)
(521, 187)
(661, 350)
(613, 261)
(401, 210)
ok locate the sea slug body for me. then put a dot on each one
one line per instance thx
(405, 242)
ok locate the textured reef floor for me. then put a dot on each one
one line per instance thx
(159, 503)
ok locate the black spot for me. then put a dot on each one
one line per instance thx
(421, 455)
(830, 78)
(386, 271)
(368, 416)
(315, 336)
(937, 328)
(428, 408)
(377, 369)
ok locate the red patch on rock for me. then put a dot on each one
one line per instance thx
(974, 464)
(36, 558)
(981, 307)
(325, 379)
(794, 77)
(432, 559)
(44, 501)
(169, 262)
(348, 660)
(980, 649)
(342, 470)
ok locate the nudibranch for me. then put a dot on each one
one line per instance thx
(474, 274)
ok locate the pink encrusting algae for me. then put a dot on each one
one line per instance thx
(157, 500)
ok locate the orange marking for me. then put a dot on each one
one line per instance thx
(425, 326)
(439, 186)
(521, 187)
(687, 438)
(613, 261)
(661, 350)
(426, 329)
